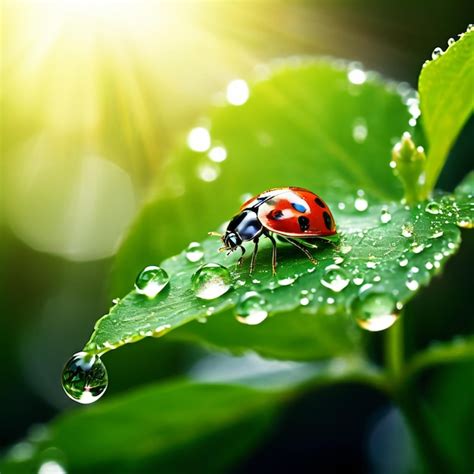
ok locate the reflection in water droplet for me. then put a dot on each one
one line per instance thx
(251, 309)
(194, 252)
(211, 281)
(218, 154)
(374, 311)
(359, 130)
(151, 280)
(335, 278)
(357, 76)
(385, 216)
(84, 378)
(199, 139)
(237, 92)
(433, 208)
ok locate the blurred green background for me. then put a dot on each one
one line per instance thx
(94, 95)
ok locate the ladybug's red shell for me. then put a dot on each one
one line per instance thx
(293, 212)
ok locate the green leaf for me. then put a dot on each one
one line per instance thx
(389, 260)
(161, 427)
(168, 427)
(386, 252)
(297, 128)
(446, 100)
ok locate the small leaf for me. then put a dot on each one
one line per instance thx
(446, 99)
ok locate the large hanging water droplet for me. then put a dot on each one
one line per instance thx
(437, 52)
(194, 252)
(151, 280)
(335, 278)
(251, 309)
(374, 311)
(84, 378)
(211, 281)
(433, 208)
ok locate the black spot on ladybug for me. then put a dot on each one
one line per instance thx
(303, 223)
(319, 202)
(327, 220)
(275, 215)
(298, 207)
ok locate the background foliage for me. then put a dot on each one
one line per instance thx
(131, 117)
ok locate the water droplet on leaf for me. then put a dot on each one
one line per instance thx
(374, 311)
(194, 252)
(385, 216)
(151, 280)
(433, 208)
(84, 378)
(251, 309)
(211, 281)
(335, 278)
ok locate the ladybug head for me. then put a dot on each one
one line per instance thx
(231, 241)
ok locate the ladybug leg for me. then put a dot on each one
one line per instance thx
(239, 262)
(254, 255)
(274, 253)
(303, 249)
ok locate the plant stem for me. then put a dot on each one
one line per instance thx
(406, 397)
(394, 350)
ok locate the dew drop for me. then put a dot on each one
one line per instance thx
(335, 278)
(346, 249)
(194, 252)
(286, 281)
(208, 172)
(371, 265)
(211, 281)
(407, 230)
(358, 279)
(151, 280)
(433, 208)
(412, 285)
(385, 216)
(465, 222)
(429, 266)
(305, 298)
(437, 234)
(403, 262)
(417, 248)
(374, 311)
(357, 76)
(451, 41)
(84, 378)
(251, 309)
(437, 52)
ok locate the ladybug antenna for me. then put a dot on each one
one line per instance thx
(215, 234)
(222, 249)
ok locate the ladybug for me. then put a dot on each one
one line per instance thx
(294, 214)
